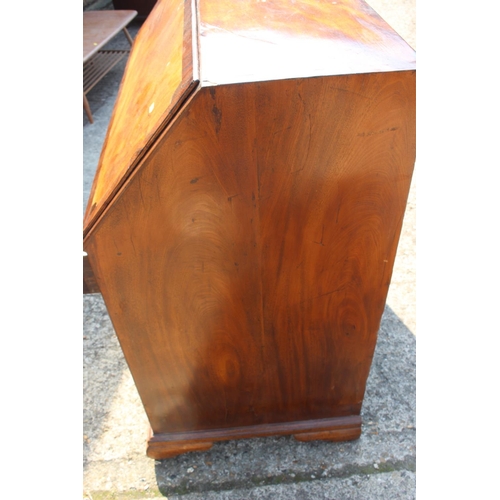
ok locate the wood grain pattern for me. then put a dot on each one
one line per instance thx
(275, 39)
(246, 261)
(159, 75)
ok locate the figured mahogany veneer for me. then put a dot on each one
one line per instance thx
(244, 240)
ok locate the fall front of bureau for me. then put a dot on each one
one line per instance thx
(245, 214)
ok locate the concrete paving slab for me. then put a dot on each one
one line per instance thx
(381, 464)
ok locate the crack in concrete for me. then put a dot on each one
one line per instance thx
(407, 464)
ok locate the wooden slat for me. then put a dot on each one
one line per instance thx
(99, 65)
(94, 66)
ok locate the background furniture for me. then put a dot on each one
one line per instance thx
(99, 27)
(246, 211)
(143, 7)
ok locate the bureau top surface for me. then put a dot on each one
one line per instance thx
(259, 40)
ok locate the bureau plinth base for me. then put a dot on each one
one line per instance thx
(162, 446)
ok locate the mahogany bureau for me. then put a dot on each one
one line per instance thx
(245, 214)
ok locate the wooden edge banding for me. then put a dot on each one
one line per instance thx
(331, 429)
(89, 282)
(333, 435)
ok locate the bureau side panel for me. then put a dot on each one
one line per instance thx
(245, 265)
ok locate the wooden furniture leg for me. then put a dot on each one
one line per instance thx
(87, 108)
(129, 38)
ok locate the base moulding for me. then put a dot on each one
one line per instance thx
(166, 445)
